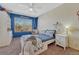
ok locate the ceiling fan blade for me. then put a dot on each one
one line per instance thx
(31, 5)
(34, 10)
(34, 7)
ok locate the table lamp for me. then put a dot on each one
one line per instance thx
(67, 33)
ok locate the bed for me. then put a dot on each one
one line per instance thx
(47, 36)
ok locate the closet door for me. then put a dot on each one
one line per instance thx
(5, 38)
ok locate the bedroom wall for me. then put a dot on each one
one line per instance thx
(4, 24)
(67, 15)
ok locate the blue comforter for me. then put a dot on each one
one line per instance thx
(44, 37)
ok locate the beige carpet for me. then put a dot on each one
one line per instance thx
(15, 47)
(57, 50)
(12, 49)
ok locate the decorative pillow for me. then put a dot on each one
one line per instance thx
(50, 33)
(43, 32)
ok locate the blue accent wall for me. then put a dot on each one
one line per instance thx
(18, 34)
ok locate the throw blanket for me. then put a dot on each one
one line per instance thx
(31, 45)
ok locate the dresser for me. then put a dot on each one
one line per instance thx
(61, 40)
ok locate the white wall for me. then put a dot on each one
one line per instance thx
(4, 25)
(66, 14)
(46, 22)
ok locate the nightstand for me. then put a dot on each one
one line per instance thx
(61, 40)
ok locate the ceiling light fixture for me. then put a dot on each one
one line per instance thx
(31, 9)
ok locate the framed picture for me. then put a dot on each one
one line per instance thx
(22, 25)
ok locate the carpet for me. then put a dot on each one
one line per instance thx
(15, 48)
(57, 50)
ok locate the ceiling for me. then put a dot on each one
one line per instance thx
(24, 8)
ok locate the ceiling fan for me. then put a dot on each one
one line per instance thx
(33, 7)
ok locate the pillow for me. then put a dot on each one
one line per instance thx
(42, 32)
(50, 32)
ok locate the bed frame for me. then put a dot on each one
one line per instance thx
(44, 48)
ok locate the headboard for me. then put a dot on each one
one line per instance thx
(49, 32)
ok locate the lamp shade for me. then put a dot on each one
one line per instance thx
(67, 27)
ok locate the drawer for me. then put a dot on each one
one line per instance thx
(61, 39)
(61, 44)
